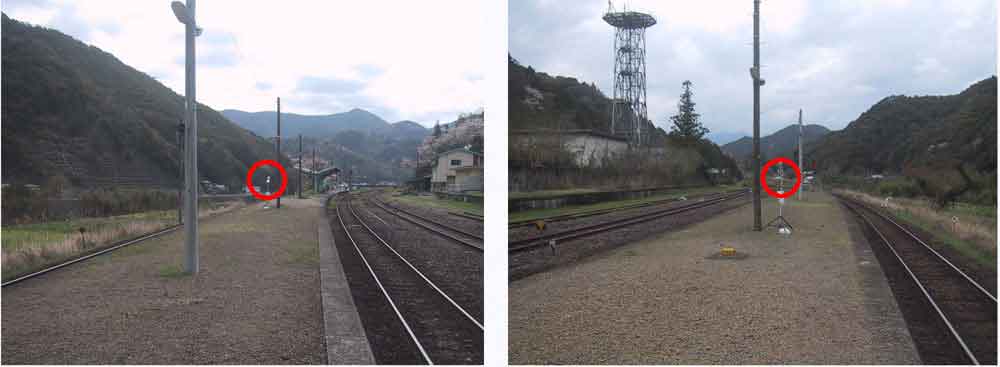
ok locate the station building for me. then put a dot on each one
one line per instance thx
(457, 170)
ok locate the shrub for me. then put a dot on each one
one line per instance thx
(898, 188)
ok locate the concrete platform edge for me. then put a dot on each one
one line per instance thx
(346, 342)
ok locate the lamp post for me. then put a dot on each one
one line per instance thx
(757, 82)
(180, 187)
(186, 15)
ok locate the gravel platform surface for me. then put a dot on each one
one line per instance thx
(255, 301)
(816, 297)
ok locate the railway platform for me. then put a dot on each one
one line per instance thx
(817, 296)
(256, 300)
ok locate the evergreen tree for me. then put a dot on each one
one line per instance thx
(686, 125)
(437, 129)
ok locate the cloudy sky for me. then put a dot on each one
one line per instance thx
(833, 59)
(411, 60)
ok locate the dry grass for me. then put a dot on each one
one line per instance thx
(38, 251)
(978, 231)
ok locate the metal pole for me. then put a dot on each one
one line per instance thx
(800, 151)
(180, 183)
(278, 155)
(300, 166)
(191, 151)
(756, 116)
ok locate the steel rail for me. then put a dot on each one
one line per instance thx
(534, 242)
(385, 293)
(434, 222)
(468, 216)
(409, 217)
(919, 284)
(414, 268)
(590, 213)
(933, 251)
(113, 247)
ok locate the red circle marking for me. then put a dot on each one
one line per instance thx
(267, 162)
(763, 177)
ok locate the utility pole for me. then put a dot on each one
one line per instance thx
(278, 148)
(180, 183)
(757, 82)
(300, 166)
(800, 151)
(315, 176)
(186, 15)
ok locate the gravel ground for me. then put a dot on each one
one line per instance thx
(816, 297)
(524, 263)
(255, 301)
(446, 334)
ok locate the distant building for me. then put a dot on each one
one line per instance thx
(455, 163)
(588, 147)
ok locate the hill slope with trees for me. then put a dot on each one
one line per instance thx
(539, 101)
(73, 110)
(945, 143)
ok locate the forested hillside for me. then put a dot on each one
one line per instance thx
(537, 100)
(74, 110)
(946, 143)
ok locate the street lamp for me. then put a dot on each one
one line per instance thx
(185, 15)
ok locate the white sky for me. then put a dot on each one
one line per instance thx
(416, 60)
(834, 59)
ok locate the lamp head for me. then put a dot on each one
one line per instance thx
(180, 11)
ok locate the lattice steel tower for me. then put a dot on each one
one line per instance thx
(628, 106)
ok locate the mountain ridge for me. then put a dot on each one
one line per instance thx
(74, 110)
(263, 123)
(781, 142)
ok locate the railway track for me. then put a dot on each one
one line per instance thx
(590, 213)
(438, 327)
(116, 246)
(469, 216)
(547, 239)
(952, 318)
(458, 235)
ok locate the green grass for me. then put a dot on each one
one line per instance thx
(446, 204)
(303, 252)
(963, 247)
(17, 236)
(547, 193)
(172, 271)
(973, 210)
(574, 209)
